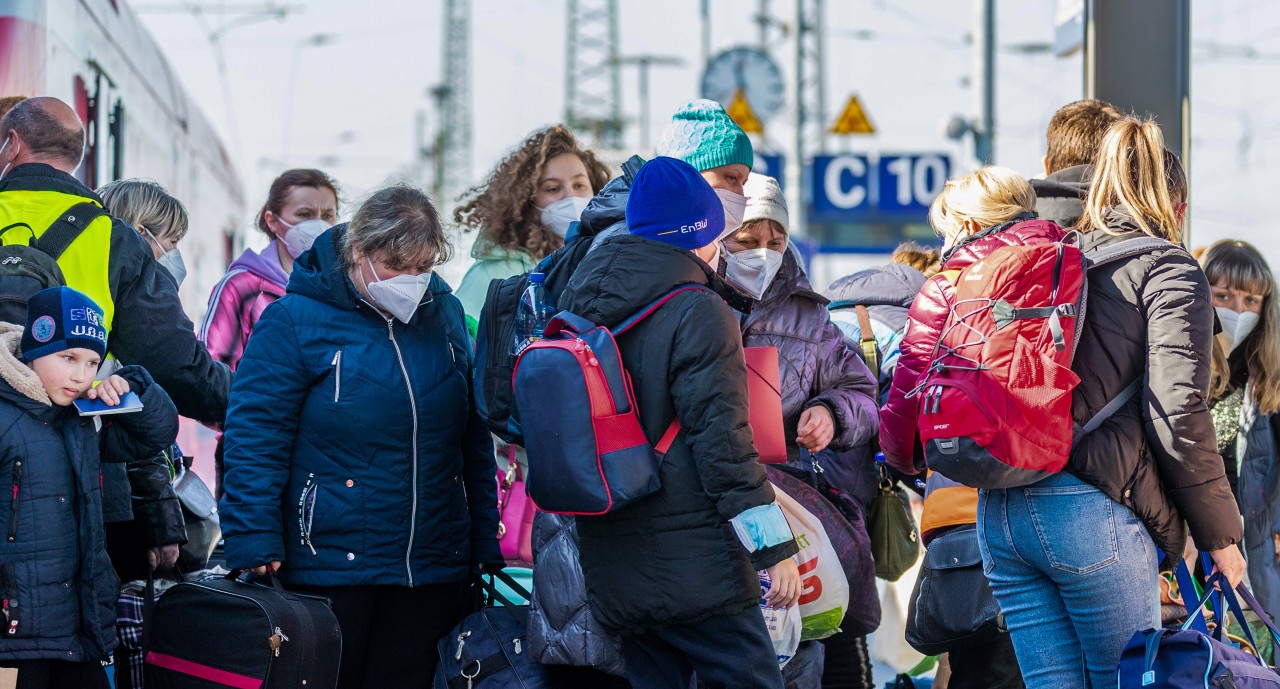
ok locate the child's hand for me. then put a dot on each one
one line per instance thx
(109, 391)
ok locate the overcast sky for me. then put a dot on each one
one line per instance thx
(355, 99)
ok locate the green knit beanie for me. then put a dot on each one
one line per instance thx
(703, 135)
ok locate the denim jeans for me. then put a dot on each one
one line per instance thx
(1075, 574)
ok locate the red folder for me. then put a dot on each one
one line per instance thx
(765, 395)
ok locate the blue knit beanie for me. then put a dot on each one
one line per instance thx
(702, 134)
(670, 202)
(60, 318)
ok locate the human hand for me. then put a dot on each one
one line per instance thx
(784, 585)
(262, 570)
(109, 391)
(1275, 546)
(1230, 563)
(163, 556)
(817, 428)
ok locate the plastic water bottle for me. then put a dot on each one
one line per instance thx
(533, 314)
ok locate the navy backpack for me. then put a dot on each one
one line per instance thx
(587, 452)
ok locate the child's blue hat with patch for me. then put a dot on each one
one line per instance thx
(61, 318)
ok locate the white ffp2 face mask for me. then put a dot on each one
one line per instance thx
(171, 260)
(299, 238)
(752, 270)
(559, 215)
(735, 208)
(399, 295)
(1236, 326)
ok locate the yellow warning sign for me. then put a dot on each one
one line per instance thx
(853, 120)
(740, 110)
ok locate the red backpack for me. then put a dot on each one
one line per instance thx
(995, 400)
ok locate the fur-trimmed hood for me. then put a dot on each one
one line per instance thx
(21, 384)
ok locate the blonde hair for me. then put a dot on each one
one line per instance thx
(1131, 175)
(988, 196)
(924, 259)
(144, 203)
(1239, 265)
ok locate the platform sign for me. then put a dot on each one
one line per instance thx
(773, 165)
(859, 186)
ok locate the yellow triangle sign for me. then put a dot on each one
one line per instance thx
(740, 110)
(853, 120)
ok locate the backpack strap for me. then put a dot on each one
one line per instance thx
(668, 438)
(656, 304)
(869, 350)
(1126, 249)
(68, 227)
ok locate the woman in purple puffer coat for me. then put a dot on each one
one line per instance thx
(828, 403)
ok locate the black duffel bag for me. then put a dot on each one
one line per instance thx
(952, 605)
(490, 648)
(227, 632)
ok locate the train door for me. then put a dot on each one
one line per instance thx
(102, 110)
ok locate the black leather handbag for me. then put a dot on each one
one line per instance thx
(952, 605)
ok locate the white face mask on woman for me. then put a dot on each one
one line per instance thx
(752, 270)
(1236, 326)
(559, 215)
(298, 238)
(399, 295)
(735, 207)
(171, 260)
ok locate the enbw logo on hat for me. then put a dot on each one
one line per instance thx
(43, 328)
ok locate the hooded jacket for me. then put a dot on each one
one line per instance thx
(54, 569)
(887, 292)
(251, 284)
(1060, 196)
(492, 263)
(672, 558)
(1152, 318)
(354, 453)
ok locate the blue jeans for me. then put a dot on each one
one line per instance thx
(1075, 573)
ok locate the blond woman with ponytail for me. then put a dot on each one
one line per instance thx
(1074, 559)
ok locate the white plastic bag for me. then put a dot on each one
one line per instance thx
(824, 598)
(784, 625)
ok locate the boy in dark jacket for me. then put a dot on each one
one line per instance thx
(58, 586)
(667, 571)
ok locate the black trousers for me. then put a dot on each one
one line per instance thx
(59, 674)
(389, 633)
(725, 652)
(991, 665)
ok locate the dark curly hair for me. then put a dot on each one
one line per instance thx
(502, 209)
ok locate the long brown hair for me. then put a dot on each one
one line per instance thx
(1239, 265)
(503, 210)
(282, 185)
(1130, 175)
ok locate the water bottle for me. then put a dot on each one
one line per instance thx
(533, 314)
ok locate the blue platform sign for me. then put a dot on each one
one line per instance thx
(858, 186)
(773, 165)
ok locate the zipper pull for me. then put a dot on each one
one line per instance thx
(461, 640)
(517, 645)
(276, 641)
(309, 546)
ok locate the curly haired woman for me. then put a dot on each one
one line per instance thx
(525, 208)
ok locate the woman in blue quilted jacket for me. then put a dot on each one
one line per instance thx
(357, 467)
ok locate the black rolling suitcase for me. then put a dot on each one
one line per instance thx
(231, 633)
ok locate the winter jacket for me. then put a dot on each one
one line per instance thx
(562, 628)
(492, 263)
(54, 569)
(1151, 317)
(887, 292)
(152, 331)
(251, 284)
(606, 215)
(947, 503)
(672, 558)
(1060, 196)
(1257, 446)
(354, 453)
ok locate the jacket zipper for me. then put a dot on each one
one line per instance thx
(13, 506)
(337, 375)
(413, 408)
(12, 614)
(307, 511)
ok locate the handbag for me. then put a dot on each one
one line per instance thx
(764, 395)
(952, 605)
(1190, 656)
(515, 514)
(199, 512)
(489, 649)
(895, 538)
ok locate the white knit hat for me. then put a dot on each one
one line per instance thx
(765, 201)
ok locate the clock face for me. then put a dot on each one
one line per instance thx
(751, 70)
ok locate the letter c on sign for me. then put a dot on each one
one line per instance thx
(856, 194)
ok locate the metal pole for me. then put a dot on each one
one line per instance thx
(798, 214)
(643, 64)
(985, 133)
(820, 55)
(706, 31)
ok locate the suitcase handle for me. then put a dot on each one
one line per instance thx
(236, 574)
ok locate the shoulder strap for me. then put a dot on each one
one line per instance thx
(1108, 411)
(68, 227)
(655, 305)
(1126, 249)
(869, 351)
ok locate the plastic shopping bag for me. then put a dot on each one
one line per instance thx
(824, 598)
(784, 625)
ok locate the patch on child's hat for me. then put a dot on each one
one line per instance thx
(42, 330)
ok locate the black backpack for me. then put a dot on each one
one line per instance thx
(495, 364)
(28, 268)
